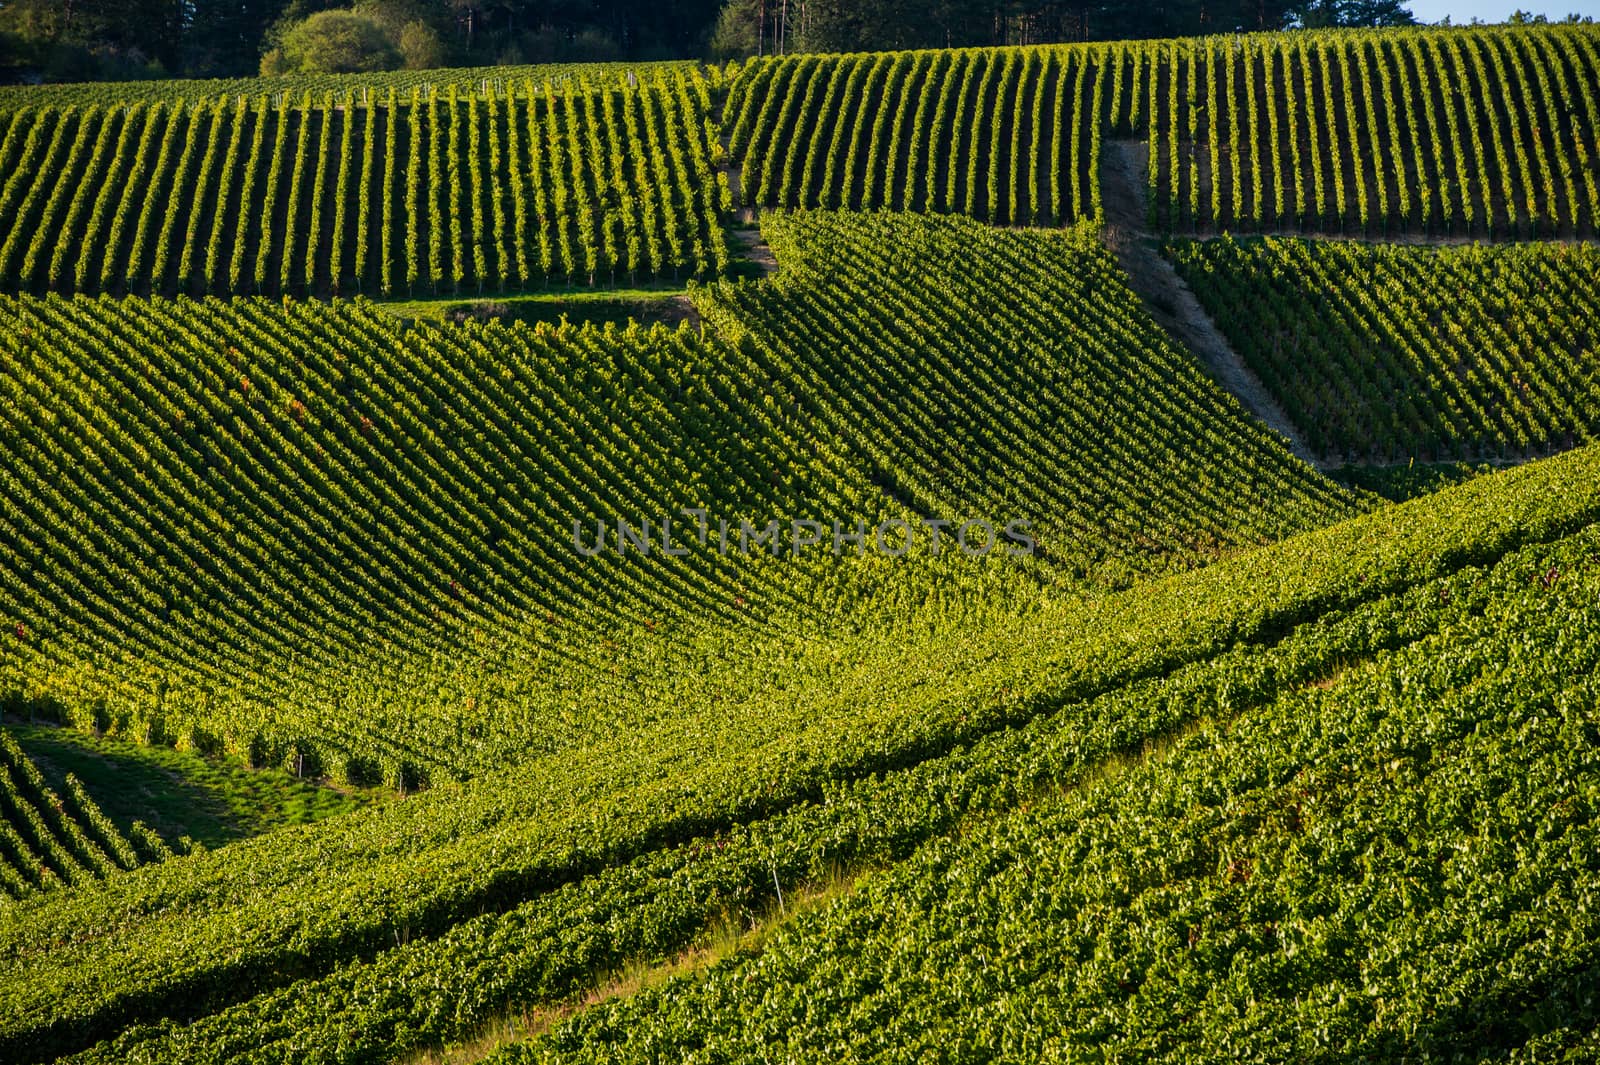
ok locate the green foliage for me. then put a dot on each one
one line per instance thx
(1389, 352)
(125, 39)
(316, 451)
(1190, 782)
(179, 793)
(1064, 354)
(295, 905)
(413, 491)
(547, 948)
(1400, 483)
(420, 47)
(735, 34)
(1396, 861)
(1493, 129)
(896, 25)
(87, 40)
(481, 80)
(52, 839)
(1447, 132)
(277, 169)
(666, 306)
(333, 42)
(398, 502)
(786, 136)
(1321, 14)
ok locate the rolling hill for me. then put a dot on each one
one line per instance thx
(926, 649)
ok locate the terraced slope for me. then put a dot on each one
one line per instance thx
(1383, 352)
(417, 194)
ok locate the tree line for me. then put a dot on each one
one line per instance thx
(76, 40)
(777, 26)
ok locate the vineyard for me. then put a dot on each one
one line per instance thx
(1042, 598)
(49, 840)
(1021, 377)
(423, 484)
(1492, 133)
(1276, 848)
(473, 185)
(412, 494)
(1387, 352)
(485, 81)
(1010, 136)
(298, 944)
(407, 194)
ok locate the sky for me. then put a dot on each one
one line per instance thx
(1463, 11)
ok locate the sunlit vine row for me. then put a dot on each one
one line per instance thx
(1391, 352)
(457, 195)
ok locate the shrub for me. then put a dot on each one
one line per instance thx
(333, 42)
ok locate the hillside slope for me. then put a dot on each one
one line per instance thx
(355, 938)
(926, 580)
(416, 194)
(406, 186)
(49, 840)
(1478, 131)
(1395, 861)
(977, 371)
(306, 536)
(1386, 352)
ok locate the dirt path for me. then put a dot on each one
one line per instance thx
(1169, 300)
(748, 245)
(744, 237)
(683, 310)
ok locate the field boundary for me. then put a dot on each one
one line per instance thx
(1171, 302)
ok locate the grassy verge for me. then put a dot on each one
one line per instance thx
(666, 304)
(179, 793)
